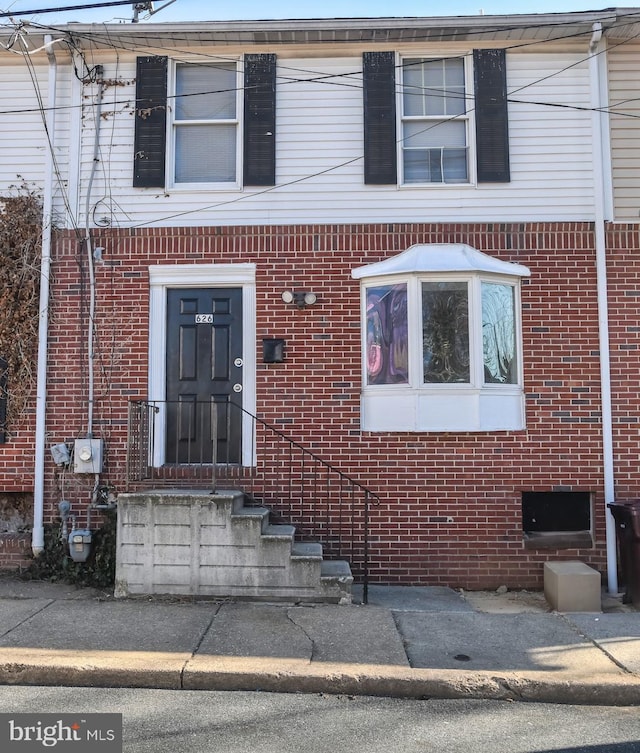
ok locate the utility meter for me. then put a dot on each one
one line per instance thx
(87, 456)
(84, 453)
(80, 544)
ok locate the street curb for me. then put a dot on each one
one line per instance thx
(112, 669)
(297, 676)
(132, 669)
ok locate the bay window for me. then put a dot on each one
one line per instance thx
(441, 341)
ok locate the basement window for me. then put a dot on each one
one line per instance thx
(557, 520)
(441, 341)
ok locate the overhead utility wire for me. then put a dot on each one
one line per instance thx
(326, 76)
(328, 170)
(376, 34)
(336, 167)
(37, 11)
(359, 73)
(125, 44)
(625, 20)
(343, 164)
(132, 47)
(358, 85)
(50, 146)
(295, 181)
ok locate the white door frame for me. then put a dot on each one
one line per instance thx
(164, 276)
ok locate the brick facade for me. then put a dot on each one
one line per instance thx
(451, 503)
(15, 550)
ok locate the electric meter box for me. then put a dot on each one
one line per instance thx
(87, 456)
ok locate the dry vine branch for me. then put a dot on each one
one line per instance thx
(20, 245)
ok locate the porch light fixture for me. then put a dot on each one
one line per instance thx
(300, 298)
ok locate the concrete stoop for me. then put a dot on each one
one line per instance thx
(193, 542)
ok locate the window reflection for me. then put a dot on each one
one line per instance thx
(387, 335)
(445, 332)
(498, 334)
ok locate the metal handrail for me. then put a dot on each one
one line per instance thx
(299, 487)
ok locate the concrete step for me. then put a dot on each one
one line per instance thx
(239, 551)
(278, 531)
(306, 550)
(231, 498)
(336, 581)
(250, 515)
(336, 569)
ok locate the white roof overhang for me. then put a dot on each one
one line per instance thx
(622, 22)
(440, 257)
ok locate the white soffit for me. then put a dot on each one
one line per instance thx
(440, 257)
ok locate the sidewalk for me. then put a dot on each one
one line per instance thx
(407, 642)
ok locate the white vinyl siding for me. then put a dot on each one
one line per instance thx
(109, 203)
(551, 143)
(23, 144)
(624, 101)
(24, 147)
(319, 149)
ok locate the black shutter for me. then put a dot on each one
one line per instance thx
(492, 124)
(379, 80)
(3, 400)
(259, 120)
(151, 120)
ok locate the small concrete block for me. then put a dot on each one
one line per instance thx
(572, 587)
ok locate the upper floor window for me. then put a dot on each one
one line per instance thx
(437, 137)
(434, 121)
(441, 341)
(220, 117)
(205, 123)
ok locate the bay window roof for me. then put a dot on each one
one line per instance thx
(440, 257)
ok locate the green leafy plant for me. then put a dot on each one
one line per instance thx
(55, 563)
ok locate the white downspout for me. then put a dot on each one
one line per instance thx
(603, 302)
(90, 262)
(37, 535)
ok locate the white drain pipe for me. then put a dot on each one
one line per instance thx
(37, 535)
(598, 105)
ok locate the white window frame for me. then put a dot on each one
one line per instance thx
(466, 117)
(173, 125)
(416, 406)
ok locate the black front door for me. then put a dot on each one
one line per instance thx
(204, 375)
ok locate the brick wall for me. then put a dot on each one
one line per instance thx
(451, 505)
(17, 456)
(15, 550)
(623, 271)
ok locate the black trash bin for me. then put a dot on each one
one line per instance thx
(627, 517)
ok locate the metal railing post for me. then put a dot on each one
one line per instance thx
(365, 565)
(129, 448)
(214, 444)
